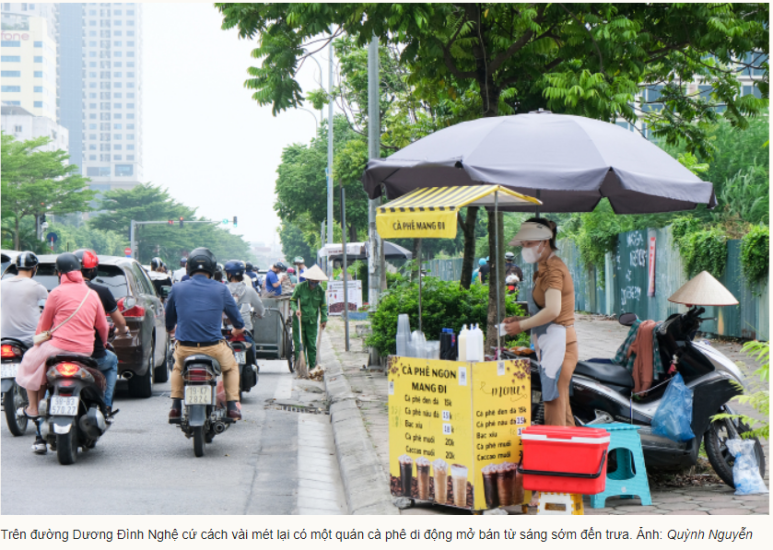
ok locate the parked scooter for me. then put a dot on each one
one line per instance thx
(601, 392)
(202, 416)
(14, 397)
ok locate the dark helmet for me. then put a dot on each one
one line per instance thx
(235, 267)
(67, 262)
(26, 260)
(280, 266)
(88, 258)
(201, 259)
(155, 263)
(248, 266)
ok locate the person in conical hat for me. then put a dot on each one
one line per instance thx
(313, 304)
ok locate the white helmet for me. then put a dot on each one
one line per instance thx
(512, 279)
(532, 231)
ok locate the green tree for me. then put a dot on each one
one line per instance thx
(294, 243)
(147, 202)
(37, 182)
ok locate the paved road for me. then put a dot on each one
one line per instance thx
(273, 462)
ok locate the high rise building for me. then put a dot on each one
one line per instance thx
(29, 59)
(101, 90)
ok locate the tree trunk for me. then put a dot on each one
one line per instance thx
(16, 235)
(352, 234)
(468, 228)
(497, 265)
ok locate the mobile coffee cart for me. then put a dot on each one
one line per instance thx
(454, 426)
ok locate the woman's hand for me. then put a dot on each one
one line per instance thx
(513, 328)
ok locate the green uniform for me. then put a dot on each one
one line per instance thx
(313, 302)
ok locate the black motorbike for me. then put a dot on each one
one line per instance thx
(248, 374)
(202, 416)
(14, 397)
(602, 392)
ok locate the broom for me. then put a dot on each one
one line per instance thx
(301, 368)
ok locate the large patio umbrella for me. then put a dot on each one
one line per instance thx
(568, 162)
(359, 251)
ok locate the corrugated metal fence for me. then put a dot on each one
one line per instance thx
(623, 284)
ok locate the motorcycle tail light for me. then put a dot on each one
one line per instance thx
(197, 375)
(9, 351)
(238, 338)
(67, 369)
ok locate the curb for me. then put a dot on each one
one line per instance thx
(365, 484)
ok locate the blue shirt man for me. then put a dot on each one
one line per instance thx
(273, 282)
(197, 308)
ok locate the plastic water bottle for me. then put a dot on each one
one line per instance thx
(463, 335)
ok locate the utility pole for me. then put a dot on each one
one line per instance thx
(330, 151)
(375, 246)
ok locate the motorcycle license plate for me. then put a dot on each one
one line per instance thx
(198, 395)
(8, 370)
(63, 406)
(241, 357)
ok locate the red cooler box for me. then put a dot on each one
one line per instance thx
(564, 460)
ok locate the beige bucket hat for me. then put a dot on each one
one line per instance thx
(314, 273)
(703, 290)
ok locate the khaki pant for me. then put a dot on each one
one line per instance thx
(224, 356)
(559, 411)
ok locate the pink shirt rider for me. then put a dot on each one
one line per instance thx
(77, 334)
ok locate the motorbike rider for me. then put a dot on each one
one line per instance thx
(250, 272)
(485, 269)
(157, 266)
(194, 313)
(313, 304)
(476, 275)
(291, 275)
(300, 267)
(21, 298)
(274, 278)
(177, 276)
(552, 320)
(71, 314)
(107, 361)
(511, 268)
(246, 297)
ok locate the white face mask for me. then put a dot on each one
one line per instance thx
(531, 255)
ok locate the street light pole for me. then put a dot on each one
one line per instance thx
(375, 264)
(330, 151)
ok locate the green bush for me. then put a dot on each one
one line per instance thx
(445, 305)
(755, 254)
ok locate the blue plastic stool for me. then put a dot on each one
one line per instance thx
(623, 481)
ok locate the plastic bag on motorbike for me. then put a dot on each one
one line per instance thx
(746, 469)
(672, 419)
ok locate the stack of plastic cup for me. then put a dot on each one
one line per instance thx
(403, 337)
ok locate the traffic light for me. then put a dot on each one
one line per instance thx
(181, 221)
(234, 221)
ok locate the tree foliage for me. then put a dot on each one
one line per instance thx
(36, 182)
(147, 202)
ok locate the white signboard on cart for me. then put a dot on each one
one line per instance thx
(335, 296)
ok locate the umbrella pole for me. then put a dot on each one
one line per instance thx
(496, 266)
(420, 329)
(538, 198)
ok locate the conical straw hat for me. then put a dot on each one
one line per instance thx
(314, 273)
(703, 290)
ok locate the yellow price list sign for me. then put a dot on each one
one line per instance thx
(449, 419)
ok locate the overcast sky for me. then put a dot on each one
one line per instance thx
(205, 139)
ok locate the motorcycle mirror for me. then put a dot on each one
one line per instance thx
(129, 302)
(627, 319)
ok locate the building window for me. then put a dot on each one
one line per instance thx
(92, 126)
(130, 126)
(129, 157)
(98, 171)
(117, 43)
(92, 147)
(130, 23)
(130, 136)
(38, 74)
(117, 147)
(11, 43)
(130, 105)
(93, 12)
(11, 73)
(92, 84)
(116, 105)
(117, 22)
(130, 147)
(17, 129)
(124, 170)
(116, 12)
(129, 54)
(10, 58)
(117, 95)
(117, 64)
(92, 23)
(38, 59)
(117, 54)
(93, 44)
(117, 127)
(117, 115)
(92, 63)
(11, 88)
(93, 116)
(118, 75)
(129, 33)
(104, 146)
(14, 103)
(105, 158)
(38, 89)
(130, 95)
(38, 104)
(129, 12)
(117, 33)
(38, 44)
(92, 136)
(92, 157)
(92, 95)
(92, 105)
(129, 75)
(117, 157)
(130, 44)
(130, 64)
(130, 115)
(117, 136)
(93, 54)
(117, 85)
